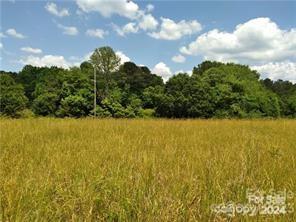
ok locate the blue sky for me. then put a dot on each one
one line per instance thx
(166, 36)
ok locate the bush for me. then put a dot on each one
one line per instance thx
(101, 112)
(26, 113)
(74, 106)
(45, 104)
(12, 96)
(147, 113)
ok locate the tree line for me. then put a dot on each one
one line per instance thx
(214, 90)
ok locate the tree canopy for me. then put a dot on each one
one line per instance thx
(214, 90)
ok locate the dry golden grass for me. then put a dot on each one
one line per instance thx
(140, 170)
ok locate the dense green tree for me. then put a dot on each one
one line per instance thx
(28, 78)
(105, 61)
(152, 96)
(12, 97)
(177, 100)
(48, 91)
(215, 90)
(76, 94)
(135, 79)
(286, 92)
(202, 100)
(204, 66)
(63, 93)
(46, 104)
(74, 106)
(13, 75)
(235, 91)
(291, 106)
(87, 68)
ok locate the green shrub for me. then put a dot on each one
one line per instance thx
(25, 113)
(147, 113)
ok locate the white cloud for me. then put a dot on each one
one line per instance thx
(178, 59)
(68, 30)
(285, 70)
(53, 9)
(122, 56)
(15, 34)
(162, 70)
(126, 29)
(124, 8)
(257, 41)
(171, 30)
(2, 35)
(130, 28)
(149, 8)
(1, 45)
(76, 60)
(31, 50)
(148, 22)
(144, 22)
(47, 60)
(129, 9)
(98, 33)
(87, 56)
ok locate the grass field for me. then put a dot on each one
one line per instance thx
(141, 170)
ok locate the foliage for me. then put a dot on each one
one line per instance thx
(215, 90)
(46, 104)
(25, 113)
(105, 61)
(135, 79)
(204, 66)
(224, 91)
(12, 97)
(147, 113)
(286, 92)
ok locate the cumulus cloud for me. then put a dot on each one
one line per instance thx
(122, 56)
(126, 29)
(178, 59)
(77, 60)
(124, 8)
(2, 35)
(31, 50)
(1, 45)
(129, 9)
(259, 40)
(162, 70)
(98, 33)
(285, 70)
(171, 30)
(15, 34)
(68, 30)
(149, 8)
(47, 60)
(147, 22)
(144, 22)
(53, 9)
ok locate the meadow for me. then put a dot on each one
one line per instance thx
(141, 170)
